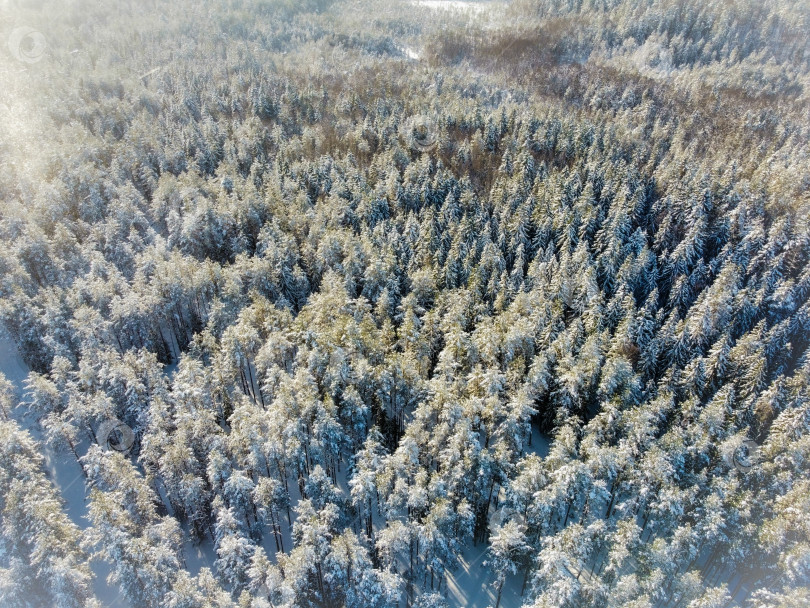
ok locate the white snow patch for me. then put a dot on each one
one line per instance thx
(170, 368)
(410, 53)
(11, 364)
(198, 556)
(456, 5)
(540, 443)
(472, 584)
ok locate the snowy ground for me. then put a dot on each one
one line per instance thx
(11, 364)
(471, 585)
(62, 469)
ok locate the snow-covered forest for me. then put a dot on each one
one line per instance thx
(405, 303)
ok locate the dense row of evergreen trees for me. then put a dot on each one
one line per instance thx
(367, 322)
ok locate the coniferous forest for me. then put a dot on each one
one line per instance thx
(405, 303)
